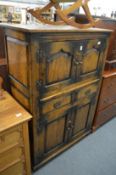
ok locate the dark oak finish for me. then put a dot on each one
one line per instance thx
(56, 74)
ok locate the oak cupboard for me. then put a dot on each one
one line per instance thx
(55, 73)
(14, 140)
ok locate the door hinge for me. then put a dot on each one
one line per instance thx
(39, 83)
(39, 56)
(41, 123)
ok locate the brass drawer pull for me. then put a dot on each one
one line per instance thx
(57, 105)
(88, 92)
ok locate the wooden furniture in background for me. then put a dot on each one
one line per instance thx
(111, 56)
(3, 61)
(55, 73)
(14, 141)
(106, 108)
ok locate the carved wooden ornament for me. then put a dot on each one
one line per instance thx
(63, 14)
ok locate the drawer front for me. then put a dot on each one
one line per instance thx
(10, 138)
(107, 96)
(88, 91)
(16, 169)
(68, 100)
(55, 104)
(10, 157)
(52, 108)
(104, 115)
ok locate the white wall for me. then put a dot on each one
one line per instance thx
(106, 6)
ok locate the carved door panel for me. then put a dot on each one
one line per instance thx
(51, 133)
(56, 66)
(89, 58)
(81, 118)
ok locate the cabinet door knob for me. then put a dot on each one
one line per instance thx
(80, 62)
(76, 62)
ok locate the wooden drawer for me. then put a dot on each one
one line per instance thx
(10, 157)
(16, 169)
(88, 91)
(108, 92)
(55, 104)
(64, 101)
(104, 115)
(10, 138)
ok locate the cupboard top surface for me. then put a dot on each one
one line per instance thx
(34, 28)
(11, 113)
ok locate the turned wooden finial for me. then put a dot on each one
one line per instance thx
(1, 90)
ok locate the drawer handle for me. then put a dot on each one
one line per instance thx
(80, 62)
(88, 92)
(57, 105)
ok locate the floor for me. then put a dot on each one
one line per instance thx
(94, 155)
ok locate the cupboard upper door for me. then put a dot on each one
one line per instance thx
(89, 58)
(56, 61)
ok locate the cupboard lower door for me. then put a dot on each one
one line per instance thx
(82, 117)
(51, 135)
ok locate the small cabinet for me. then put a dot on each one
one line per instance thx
(14, 141)
(106, 108)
